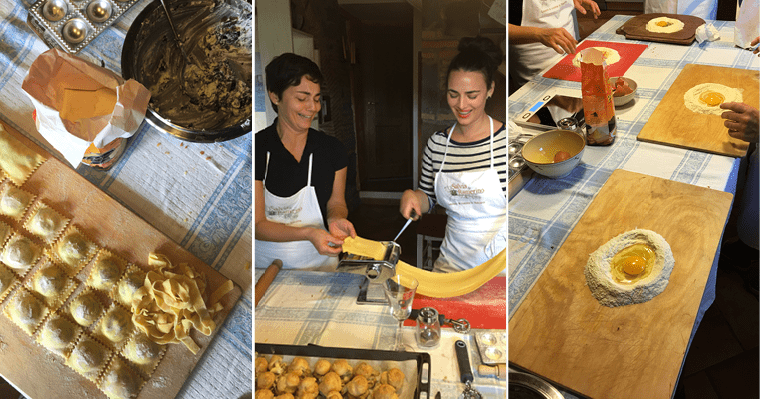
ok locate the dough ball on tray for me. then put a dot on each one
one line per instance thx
(393, 377)
(322, 367)
(265, 380)
(384, 391)
(330, 382)
(261, 365)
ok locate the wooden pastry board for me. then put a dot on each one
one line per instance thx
(675, 125)
(636, 29)
(563, 334)
(39, 373)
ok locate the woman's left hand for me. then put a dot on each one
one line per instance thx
(342, 228)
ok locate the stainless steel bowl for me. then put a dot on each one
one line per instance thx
(151, 57)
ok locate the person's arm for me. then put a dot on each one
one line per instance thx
(741, 121)
(266, 230)
(337, 211)
(557, 38)
(755, 42)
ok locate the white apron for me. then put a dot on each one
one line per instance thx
(477, 214)
(299, 210)
(527, 60)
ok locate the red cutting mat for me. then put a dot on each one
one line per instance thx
(484, 308)
(629, 52)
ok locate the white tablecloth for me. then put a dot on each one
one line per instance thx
(544, 212)
(199, 195)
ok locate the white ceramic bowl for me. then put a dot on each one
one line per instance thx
(622, 100)
(540, 150)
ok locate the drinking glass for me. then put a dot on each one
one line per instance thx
(399, 290)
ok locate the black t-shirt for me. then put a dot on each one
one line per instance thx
(286, 177)
(515, 13)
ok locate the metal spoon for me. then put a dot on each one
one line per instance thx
(177, 37)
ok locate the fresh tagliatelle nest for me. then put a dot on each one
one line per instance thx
(171, 302)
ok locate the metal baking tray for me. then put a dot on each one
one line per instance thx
(315, 351)
(70, 25)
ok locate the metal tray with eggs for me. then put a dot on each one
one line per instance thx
(70, 25)
(492, 346)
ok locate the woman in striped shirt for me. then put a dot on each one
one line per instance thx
(464, 168)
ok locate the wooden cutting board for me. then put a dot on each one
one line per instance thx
(675, 125)
(111, 225)
(636, 29)
(563, 334)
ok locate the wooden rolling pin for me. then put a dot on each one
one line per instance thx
(498, 370)
(266, 279)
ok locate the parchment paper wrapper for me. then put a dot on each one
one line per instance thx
(598, 104)
(54, 75)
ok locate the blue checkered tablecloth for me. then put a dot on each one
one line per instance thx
(319, 308)
(199, 195)
(545, 211)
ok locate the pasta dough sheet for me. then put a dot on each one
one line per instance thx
(16, 159)
(436, 285)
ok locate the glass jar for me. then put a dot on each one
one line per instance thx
(428, 328)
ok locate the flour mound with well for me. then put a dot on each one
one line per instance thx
(611, 292)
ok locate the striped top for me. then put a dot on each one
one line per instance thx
(463, 157)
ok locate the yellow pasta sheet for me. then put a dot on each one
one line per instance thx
(436, 285)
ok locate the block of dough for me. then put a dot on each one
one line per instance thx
(17, 160)
(89, 357)
(143, 353)
(51, 283)
(73, 250)
(115, 326)
(26, 311)
(86, 308)
(8, 281)
(83, 104)
(20, 254)
(106, 271)
(45, 222)
(58, 334)
(120, 381)
(13, 200)
(132, 280)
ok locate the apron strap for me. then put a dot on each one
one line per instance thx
(266, 169)
(446, 150)
(308, 182)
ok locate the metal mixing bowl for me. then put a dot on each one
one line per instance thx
(149, 51)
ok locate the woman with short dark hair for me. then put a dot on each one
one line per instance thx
(300, 207)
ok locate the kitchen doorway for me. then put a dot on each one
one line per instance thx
(380, 42)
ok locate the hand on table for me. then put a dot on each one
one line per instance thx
(325, 243)
(583, 5)
(559, 39)
(741, 121)
(755, 43)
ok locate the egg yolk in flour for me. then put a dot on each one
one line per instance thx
(711, 98)
(633, 263)
(663, 23)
